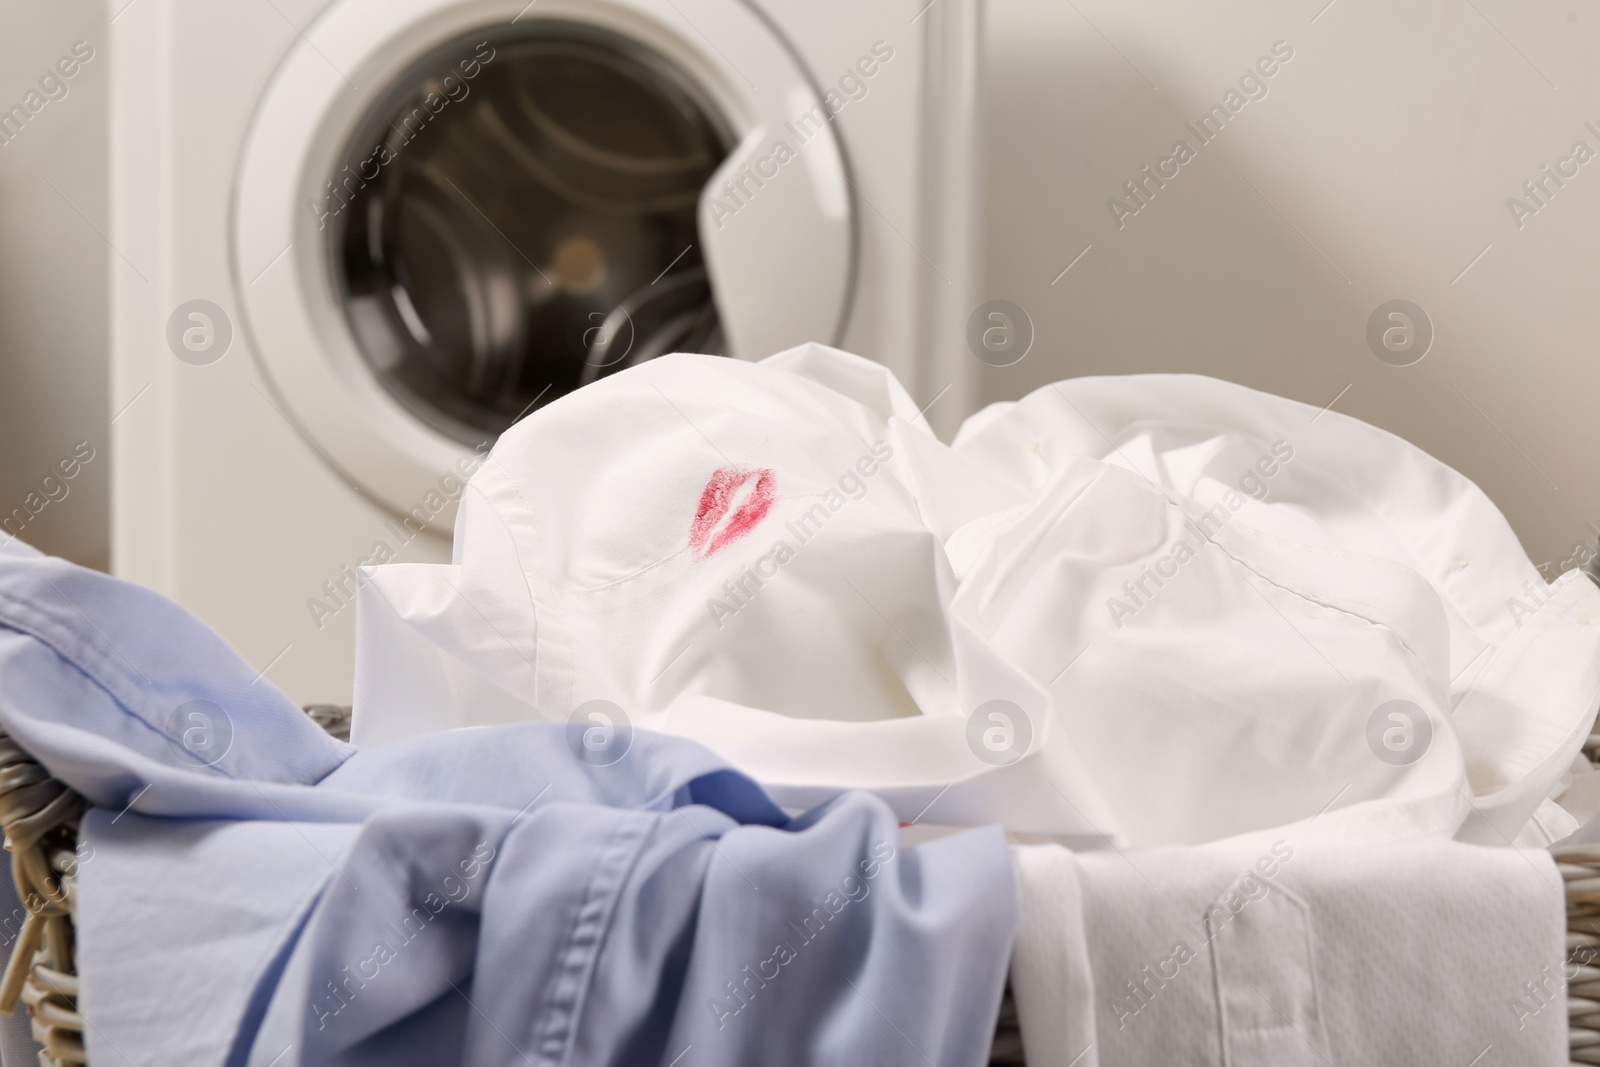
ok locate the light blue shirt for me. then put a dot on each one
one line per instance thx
(253, 892)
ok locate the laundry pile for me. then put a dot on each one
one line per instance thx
(761, 678)
(1148, 610)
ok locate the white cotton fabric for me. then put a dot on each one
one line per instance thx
(1192, 663)
(1431, 952)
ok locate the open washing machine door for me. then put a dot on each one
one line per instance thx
(448, 214)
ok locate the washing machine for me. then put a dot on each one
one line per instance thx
(357, 240)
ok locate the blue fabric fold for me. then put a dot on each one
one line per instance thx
(253, 892)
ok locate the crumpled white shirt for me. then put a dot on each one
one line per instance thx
(1141, 610)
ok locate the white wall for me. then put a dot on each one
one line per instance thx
(53, 280)
(1377, 167)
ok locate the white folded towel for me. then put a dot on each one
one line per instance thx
(1434, 952)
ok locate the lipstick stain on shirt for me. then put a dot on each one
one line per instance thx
(732, 504)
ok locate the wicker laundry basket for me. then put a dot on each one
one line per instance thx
(40, 817)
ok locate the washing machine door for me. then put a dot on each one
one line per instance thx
(449, 214)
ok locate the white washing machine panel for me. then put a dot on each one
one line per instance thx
(780, 275)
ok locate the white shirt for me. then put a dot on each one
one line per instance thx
(1154, 609)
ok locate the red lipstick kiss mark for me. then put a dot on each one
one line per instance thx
(732, 504)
